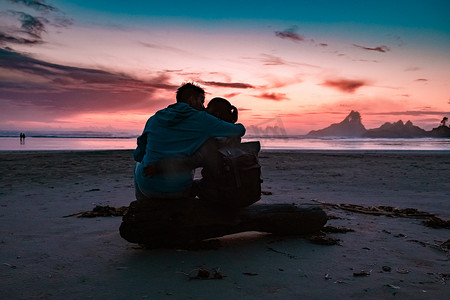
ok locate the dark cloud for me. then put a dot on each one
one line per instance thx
(39, 5)
(345, 85)
(234, 85)
(34, 26)
(60, 73)
(272, 96)
(62, 21)
(31, 27)
(4, 38)
(70, 90)
(421, 80)
(290, 34)
(381, 49)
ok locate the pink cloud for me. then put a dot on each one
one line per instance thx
(231, 95)
(345, 85)
(412, 69)
(271, 60)
(272, 96)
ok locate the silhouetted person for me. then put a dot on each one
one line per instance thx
(22, 138)
(222, 109)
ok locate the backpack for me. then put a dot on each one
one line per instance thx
(237, 183)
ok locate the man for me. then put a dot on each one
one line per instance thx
(175, 141)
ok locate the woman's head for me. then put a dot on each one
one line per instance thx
(222, 109)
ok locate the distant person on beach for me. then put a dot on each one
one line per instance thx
(174, 142)
(22, 138)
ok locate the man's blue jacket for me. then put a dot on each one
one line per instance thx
(176, 131)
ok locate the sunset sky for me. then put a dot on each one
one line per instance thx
(108, 65)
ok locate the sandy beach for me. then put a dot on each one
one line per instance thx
(45, 255)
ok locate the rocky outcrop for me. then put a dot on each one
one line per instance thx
(351, 126)
(441, 131)
(396, 130)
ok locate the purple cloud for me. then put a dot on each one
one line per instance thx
(381, 49)
(66, 90)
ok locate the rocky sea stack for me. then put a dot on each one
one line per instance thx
(352, 126)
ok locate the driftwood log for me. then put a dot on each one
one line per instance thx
(162, 223)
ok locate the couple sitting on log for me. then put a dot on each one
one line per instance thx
(185, 136)
(173, 208)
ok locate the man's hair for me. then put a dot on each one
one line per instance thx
(188, 90)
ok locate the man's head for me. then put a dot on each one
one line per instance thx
(192, 95)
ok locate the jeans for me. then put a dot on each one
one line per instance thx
(206, 156)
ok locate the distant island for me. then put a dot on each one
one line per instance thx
(352, 126)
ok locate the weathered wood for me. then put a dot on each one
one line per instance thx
(162, 223)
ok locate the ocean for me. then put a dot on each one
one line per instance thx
(55, 142)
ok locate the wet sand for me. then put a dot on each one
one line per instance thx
(46, 255)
